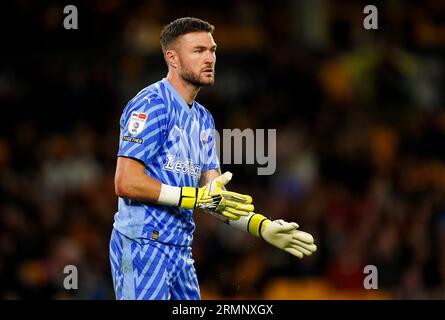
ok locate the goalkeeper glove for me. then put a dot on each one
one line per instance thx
(284, 235)
(211, 197)
(279, 233)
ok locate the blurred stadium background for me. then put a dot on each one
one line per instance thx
(360, 125)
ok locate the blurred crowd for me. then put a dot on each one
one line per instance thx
(360, 125)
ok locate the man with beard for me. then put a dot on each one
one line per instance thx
(167, 166)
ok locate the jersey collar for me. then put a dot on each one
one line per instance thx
(178, 97)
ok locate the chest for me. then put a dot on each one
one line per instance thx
(186, 135)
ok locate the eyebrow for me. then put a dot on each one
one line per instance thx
(204, 47)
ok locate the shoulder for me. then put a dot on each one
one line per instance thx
(148, 100)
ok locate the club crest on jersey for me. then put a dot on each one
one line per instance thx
(137, 123)
(203, 137)
(207, 137)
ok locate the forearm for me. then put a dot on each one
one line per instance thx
(135, 184)
(131, 182)
(254, 223)
(218, 216)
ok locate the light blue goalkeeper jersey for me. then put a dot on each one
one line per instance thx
(176, 144)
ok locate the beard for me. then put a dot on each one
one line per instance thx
(196, 80)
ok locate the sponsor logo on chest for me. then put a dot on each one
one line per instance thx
(182, 166)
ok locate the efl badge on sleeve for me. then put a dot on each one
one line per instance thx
(137, 123)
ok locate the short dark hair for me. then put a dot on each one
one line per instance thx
(182, 26)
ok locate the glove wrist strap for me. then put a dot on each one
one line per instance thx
(184, 197)
(254, 223)
(188, 197)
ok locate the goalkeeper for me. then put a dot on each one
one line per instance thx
(166, 167)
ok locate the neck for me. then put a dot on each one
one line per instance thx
(187, 91)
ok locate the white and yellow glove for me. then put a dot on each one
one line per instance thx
(284, 235)
(211, 197)
(279, 233)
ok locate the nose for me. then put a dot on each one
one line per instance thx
(210, 57)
